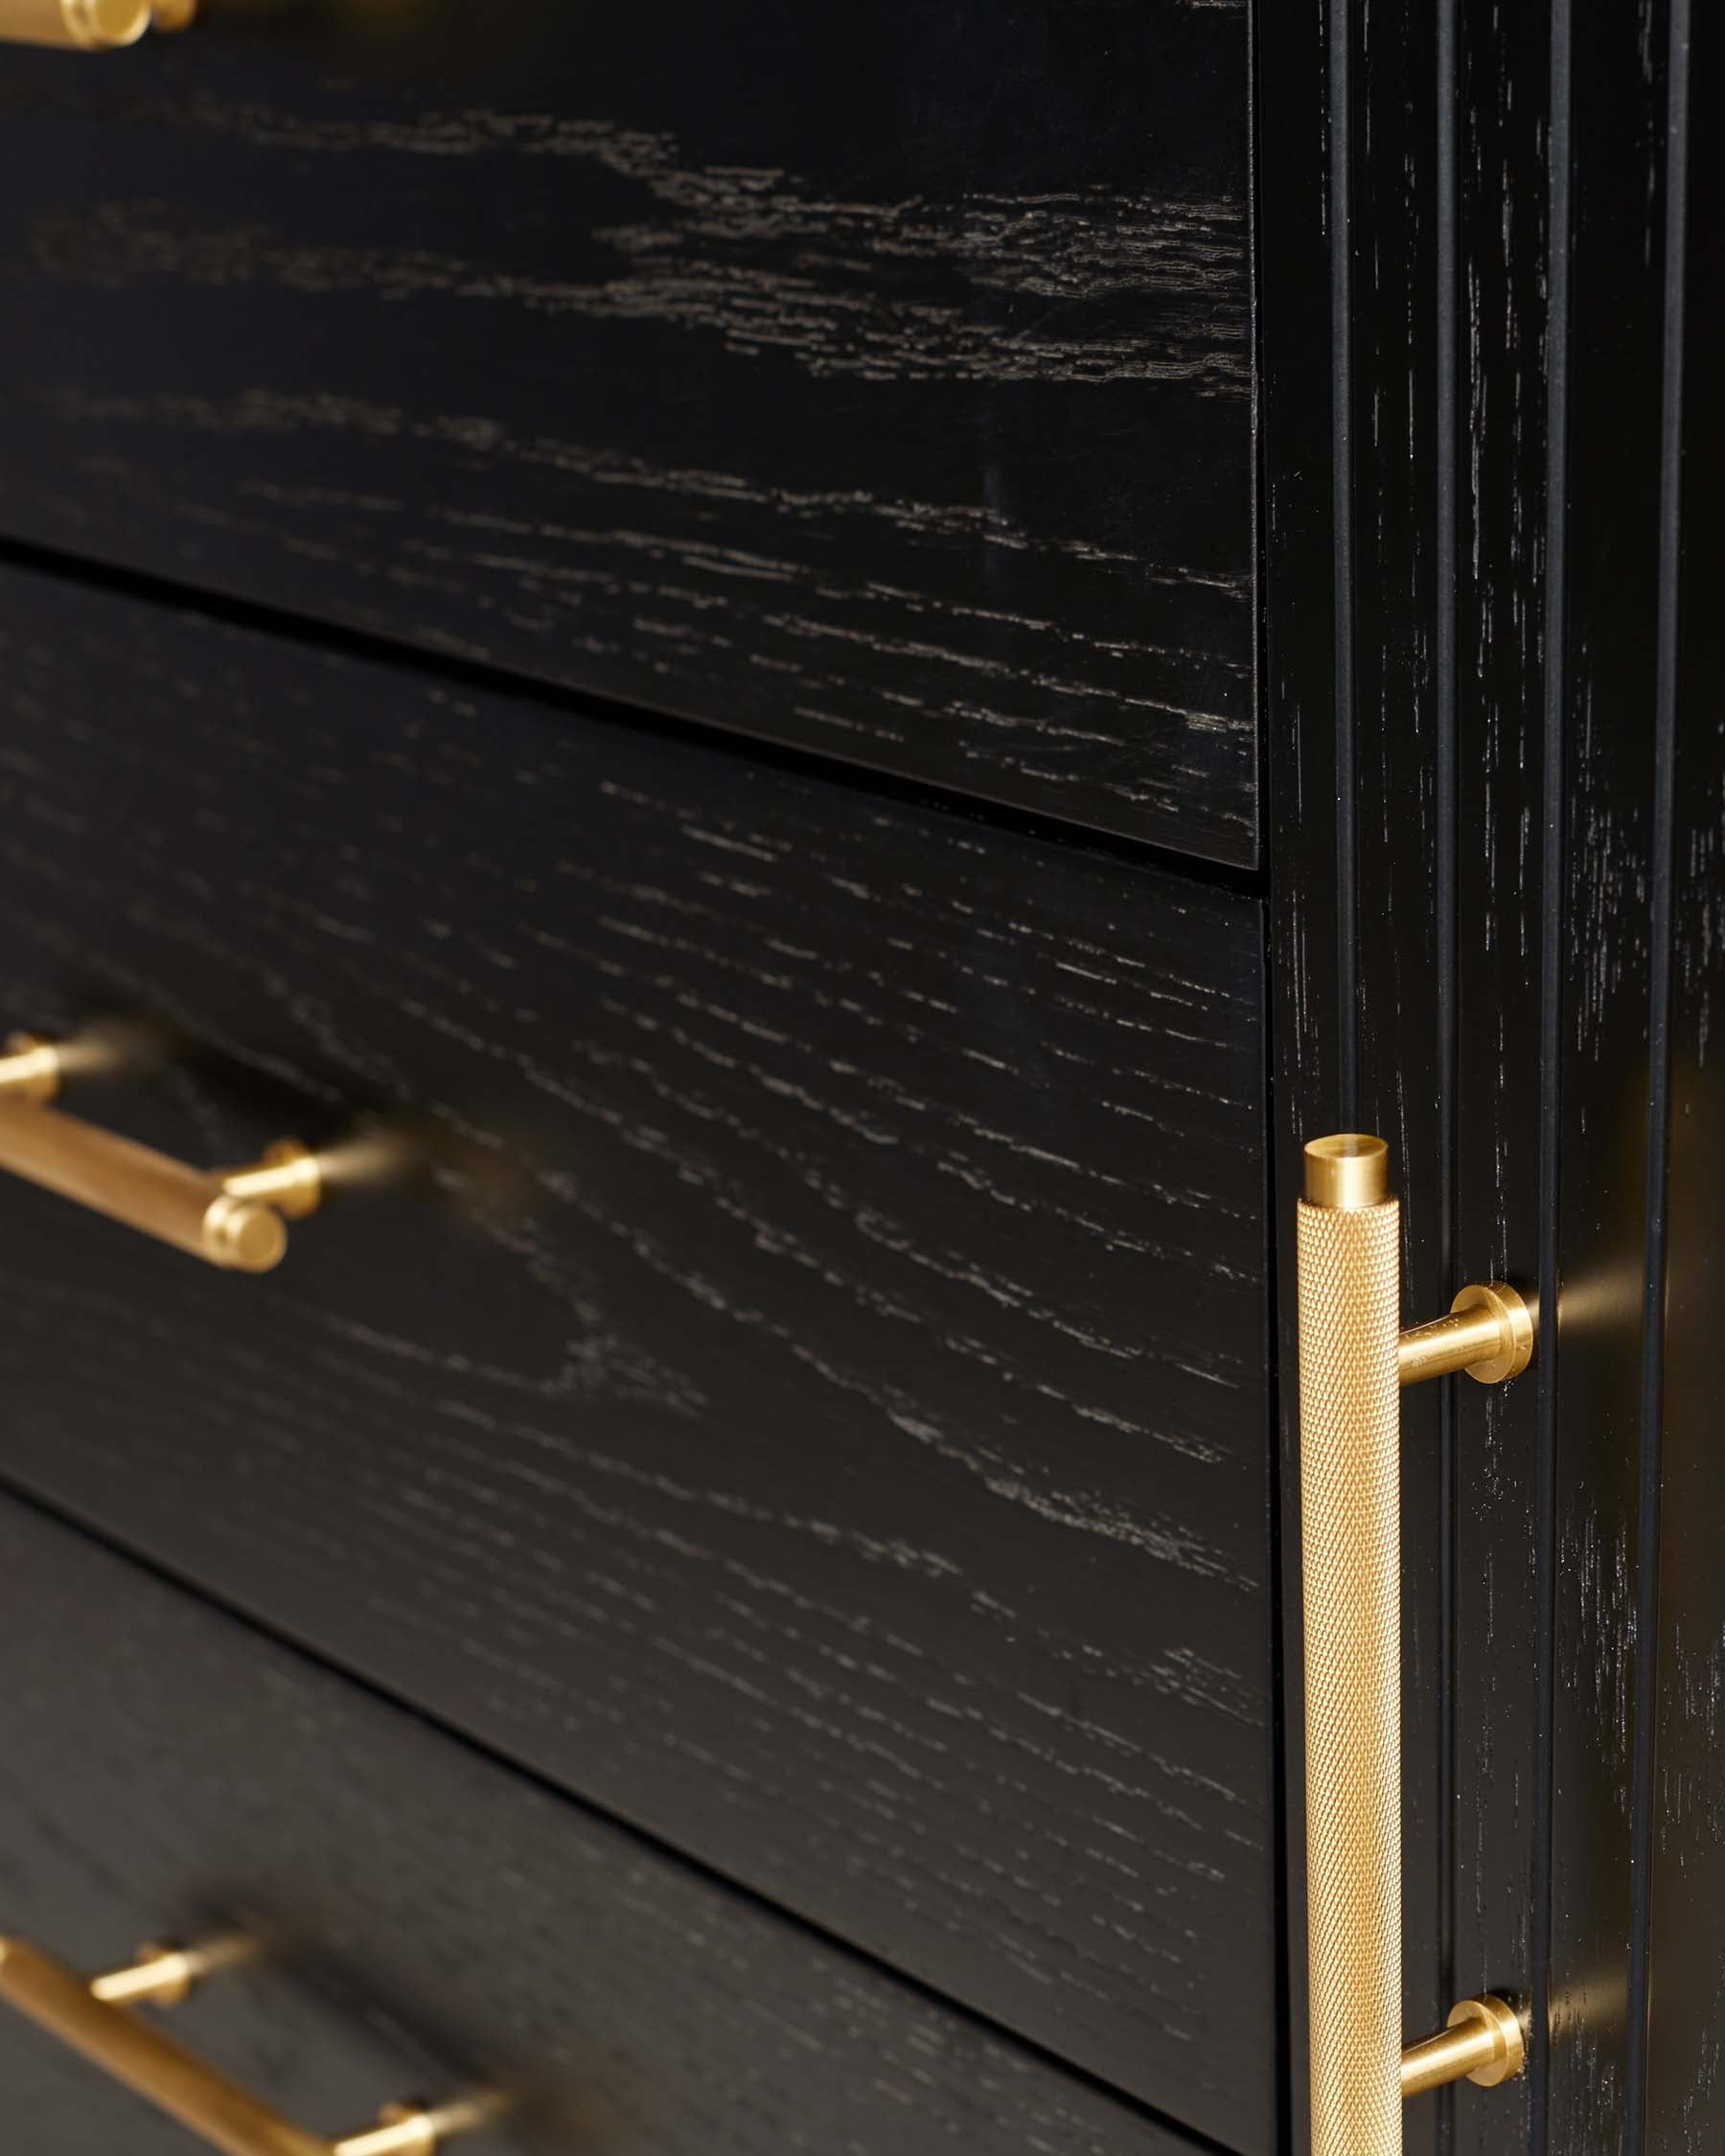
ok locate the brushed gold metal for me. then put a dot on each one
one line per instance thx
(165, 1976)
(406, 2130)
(1488, 1333)
(1349, 1170)
(1484, 2043)
(31, 1069)
(1352, 1370)
(81, 26)
(93, 2019)
(234, 1218)
(289, 1177)
(1515, 1325)
(1349, 1240)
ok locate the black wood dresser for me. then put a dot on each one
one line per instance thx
(765, 705)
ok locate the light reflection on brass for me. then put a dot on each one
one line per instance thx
(166, 1976)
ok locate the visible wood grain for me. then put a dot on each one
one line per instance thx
(817, 1407)
(1401, 761)
(1505, 1210)
(1307, 1013)
(1685, 2107)
(429, 1921)
(1610, 837)
(1492, 780)
(1359, 737)
(875, 379)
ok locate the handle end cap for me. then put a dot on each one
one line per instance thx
(1347, 1171)
(105, 26)
(243, 1235)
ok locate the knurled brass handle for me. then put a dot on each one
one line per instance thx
(89, 26)
(95, 2017)
(236, 1218)
(1354, 1359)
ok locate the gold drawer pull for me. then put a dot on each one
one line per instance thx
(89, 26)
(237, 1218)
(1354, 1360)
(94, 2017)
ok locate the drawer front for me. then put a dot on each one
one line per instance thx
(812, 1401)
(871, 378)
(428, 1921)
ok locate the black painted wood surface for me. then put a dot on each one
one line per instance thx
(875, 377)
(1473, 656)
(1297, 313)
(815, 1406)
(1399, 696)
(1501, 1172)
(1604, 1074)
(1684, 1850)
(429, 1919)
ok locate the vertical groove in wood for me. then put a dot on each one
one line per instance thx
(1549, 1063)
(1446, 120)
(1298, 413)
(1513, 1037)
(1548, 1067)
(1393, 782)
(1342, 586)
(1283, 1651)
(1685, 2113)
(1504, 75)
(1659, 1085)
(1609, 207)
(1290, 2078)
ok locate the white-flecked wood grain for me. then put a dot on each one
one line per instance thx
(812, 1400)
(429, 1921)
(875, 380)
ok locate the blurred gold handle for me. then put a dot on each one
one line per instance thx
(1354, 1360)
(89, 26)
(236, 1218)
(94, 2017)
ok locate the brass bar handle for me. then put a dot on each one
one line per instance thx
(235, 1218)
(1354, 1360)
(95, 2018)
